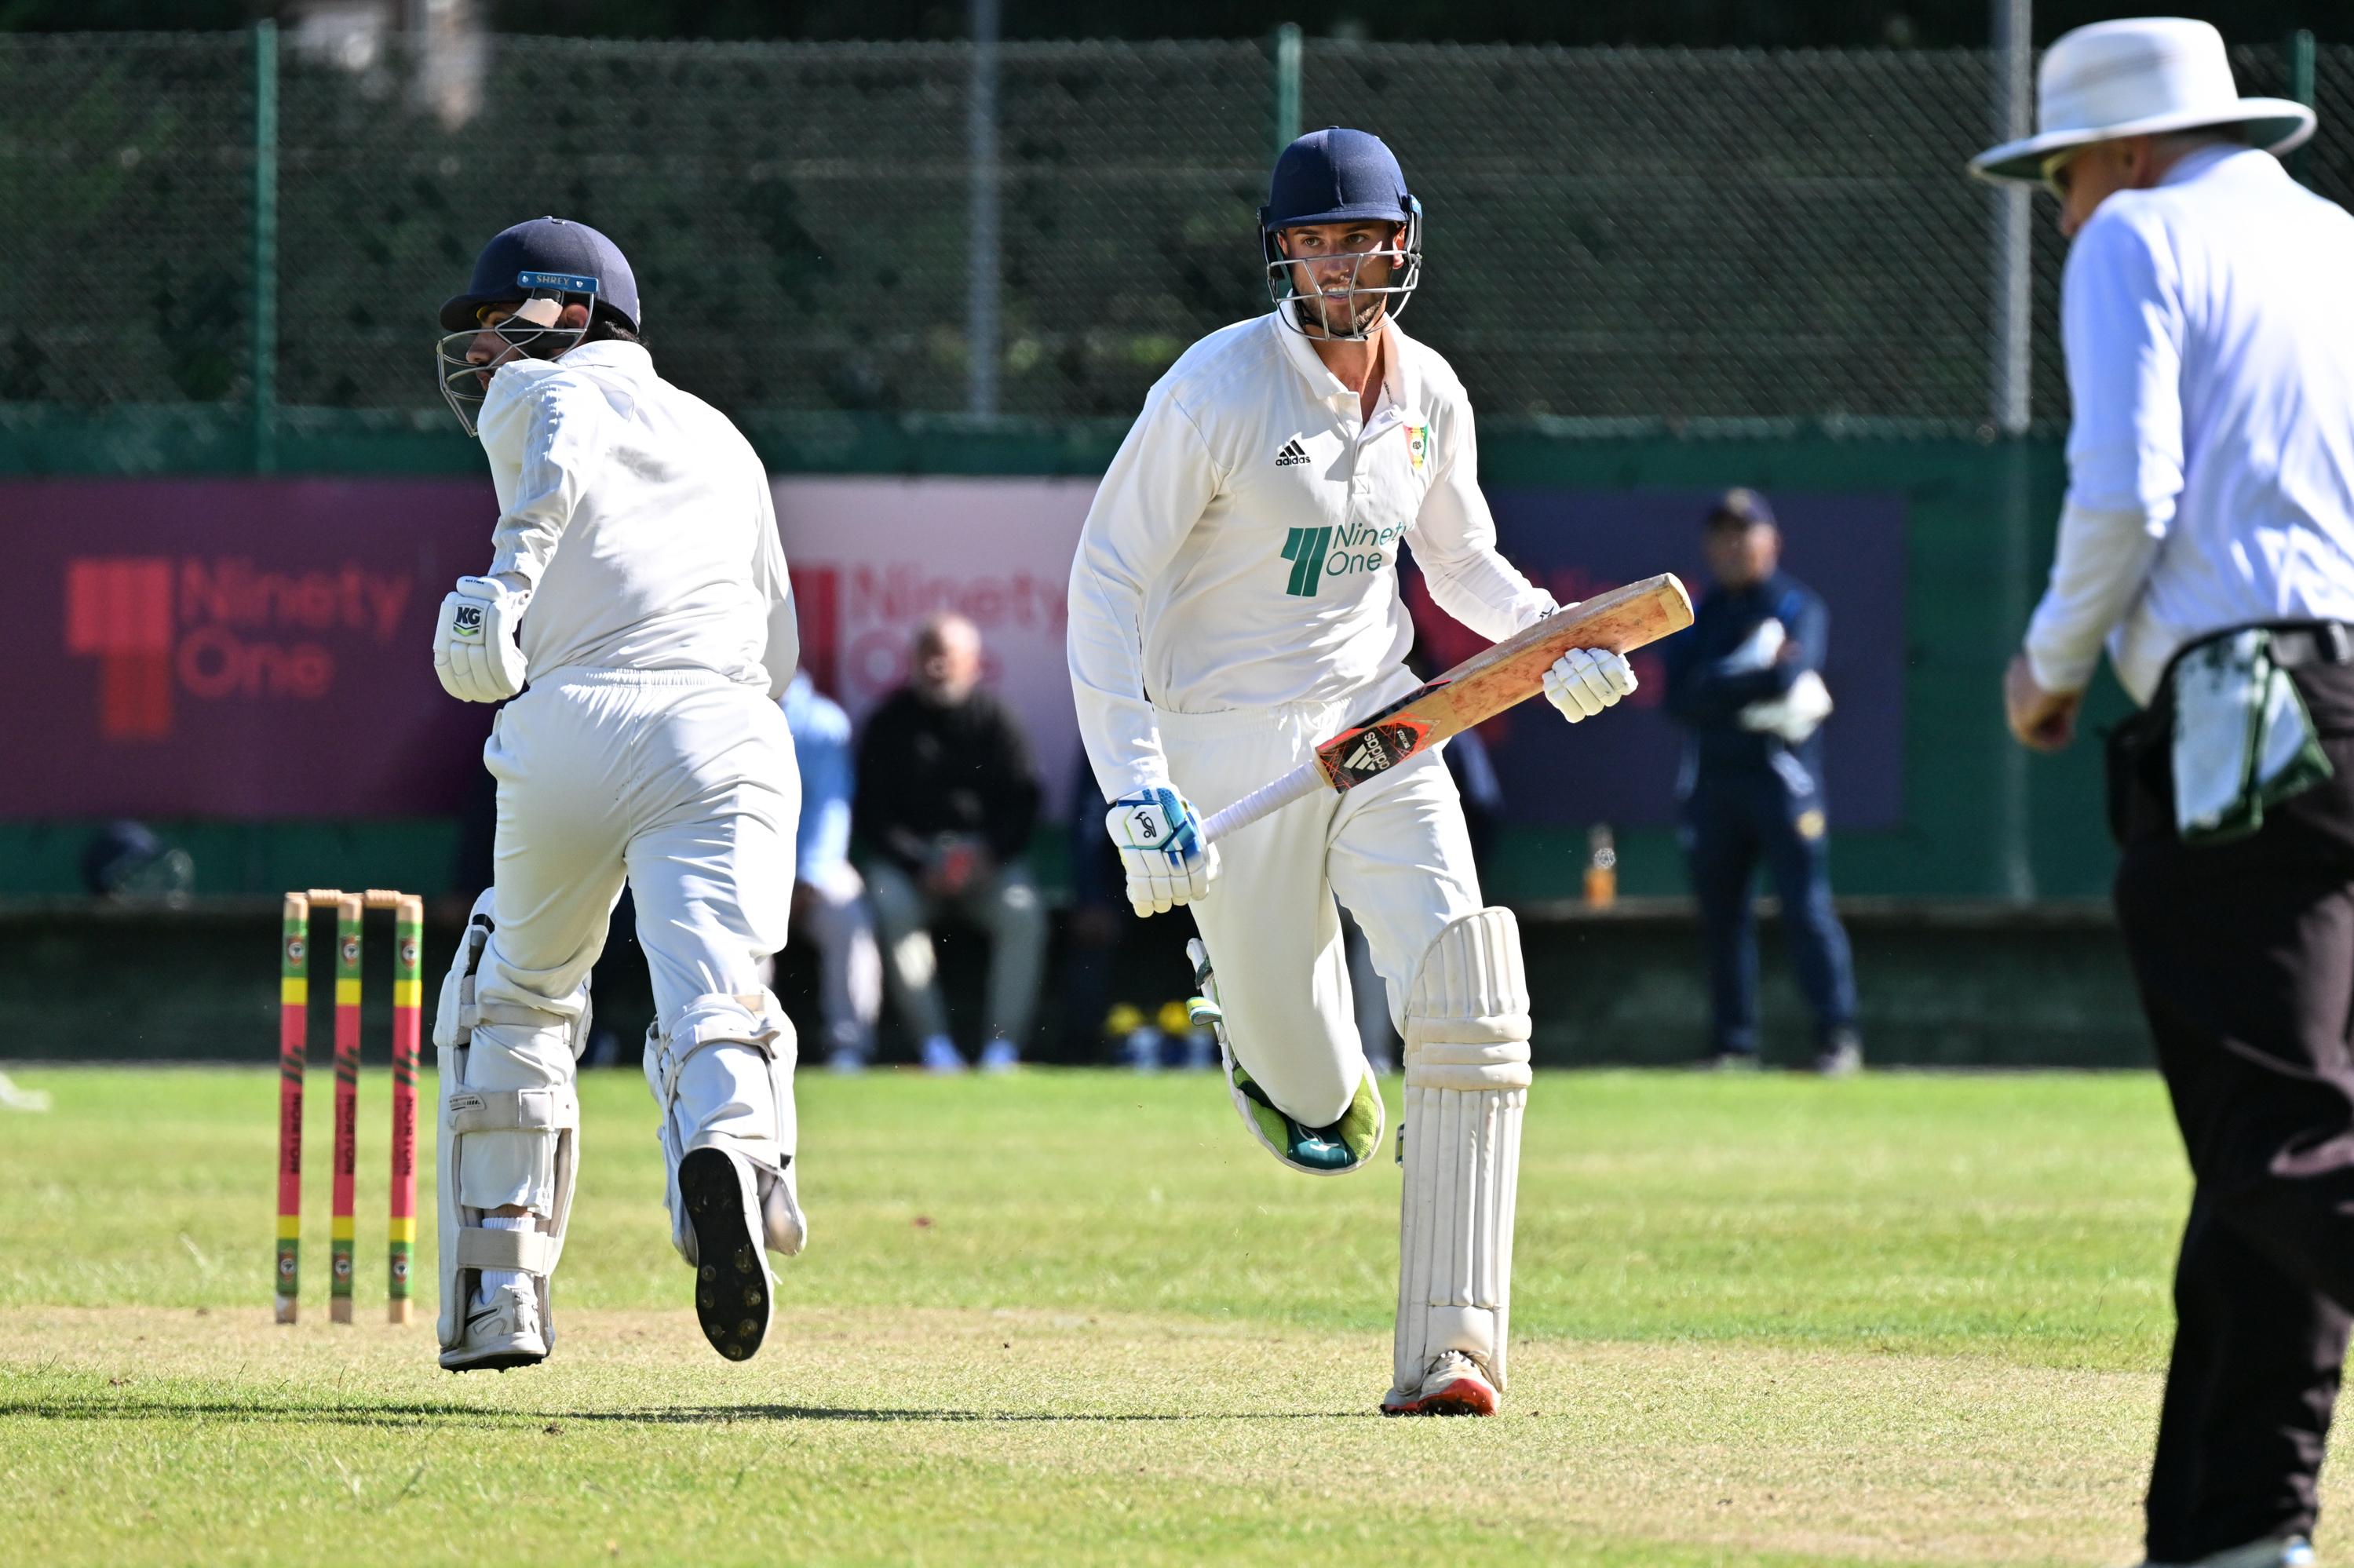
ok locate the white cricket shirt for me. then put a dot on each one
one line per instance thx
(1242, 550)
(639, 520)
(2210, 330)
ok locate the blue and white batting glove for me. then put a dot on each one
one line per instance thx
(1161, 848)
(475, 650)
(1585, 680)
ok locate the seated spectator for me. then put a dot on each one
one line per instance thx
(946, 802)
(829, 895)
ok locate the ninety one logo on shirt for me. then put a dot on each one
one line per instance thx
(1315, 554)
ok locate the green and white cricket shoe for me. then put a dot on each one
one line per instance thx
(1346, 1145)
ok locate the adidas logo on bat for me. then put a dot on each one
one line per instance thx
(1292, 455)
(1370, 754)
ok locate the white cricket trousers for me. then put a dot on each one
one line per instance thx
(1396, 851)
(681, 781)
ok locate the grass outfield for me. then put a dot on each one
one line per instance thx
(1082, 1317)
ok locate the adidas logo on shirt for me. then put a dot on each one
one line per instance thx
(1292, 455)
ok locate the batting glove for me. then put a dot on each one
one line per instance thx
(1161, 848)
(474, 647)
(1585, 680)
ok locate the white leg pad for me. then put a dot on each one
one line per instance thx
(549, 1121)
(1466, 1083)
(723, 1076)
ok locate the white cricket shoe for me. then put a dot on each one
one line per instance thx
(2272, 1551)
(733, 1287)
(500, 1333)
(941, 1055)
(1453, 1386)
(780, 1210)
(999, 1056)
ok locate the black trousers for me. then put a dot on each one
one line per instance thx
(2244, 957)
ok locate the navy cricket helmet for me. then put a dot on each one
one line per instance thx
(538, 256)
(534, 269)
(1338, 175)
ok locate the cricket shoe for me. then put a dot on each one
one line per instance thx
(1336, 1149)
(733, 1287)
(499, 1333)
(1453, 1386)
(2272, 1551)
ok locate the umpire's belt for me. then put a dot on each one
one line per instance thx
(2294, 644)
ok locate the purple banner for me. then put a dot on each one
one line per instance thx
(237, 650)
(247, 650)
(1848, 548)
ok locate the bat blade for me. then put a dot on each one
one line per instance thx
(1478, 688)
(1495, 679)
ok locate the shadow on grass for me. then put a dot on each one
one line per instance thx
(430, 1413)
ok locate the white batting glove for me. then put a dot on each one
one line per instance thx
(474, 647)
(1160, 848)
(1585, 680)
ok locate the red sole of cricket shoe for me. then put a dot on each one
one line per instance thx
(1464, 1396)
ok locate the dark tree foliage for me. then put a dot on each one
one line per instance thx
(1693, 23)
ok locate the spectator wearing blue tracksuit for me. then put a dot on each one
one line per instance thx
(1745, 681)
(828, 897)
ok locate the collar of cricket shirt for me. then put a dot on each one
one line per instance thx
(2199, 160)
(1400, 379)
(613, 354)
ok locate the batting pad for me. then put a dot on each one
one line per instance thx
(740, 1099)
(1466, 1083)
(538, 1133)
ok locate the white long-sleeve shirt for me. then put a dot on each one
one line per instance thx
(1242, 550)
(2210, 329)
(638, 518)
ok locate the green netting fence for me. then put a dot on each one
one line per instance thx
(1698, 238)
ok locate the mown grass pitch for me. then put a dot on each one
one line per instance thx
(1080, 1317)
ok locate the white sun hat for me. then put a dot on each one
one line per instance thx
(2138, 77)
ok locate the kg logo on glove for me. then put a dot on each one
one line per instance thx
(1161, 850)
(477, 650)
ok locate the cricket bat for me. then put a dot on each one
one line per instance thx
(1476, 690)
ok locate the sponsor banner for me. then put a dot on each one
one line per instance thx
(1621, 767)
(250, 649)
(872, 558)
(235, 649)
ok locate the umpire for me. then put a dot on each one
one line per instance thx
(1745, 680)
(2208, 314)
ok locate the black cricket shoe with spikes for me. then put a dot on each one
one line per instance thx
(733, 1288)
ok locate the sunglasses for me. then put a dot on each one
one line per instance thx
(2056, 175)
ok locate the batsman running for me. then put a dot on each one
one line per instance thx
(1234, 600)
(636, 581)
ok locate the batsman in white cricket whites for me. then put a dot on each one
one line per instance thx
(1233, 602)
(636, 581)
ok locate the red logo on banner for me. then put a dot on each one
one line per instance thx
(118, 611)
(214, 629)
(816, 605)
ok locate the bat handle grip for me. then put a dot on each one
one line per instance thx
(1297, 785)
